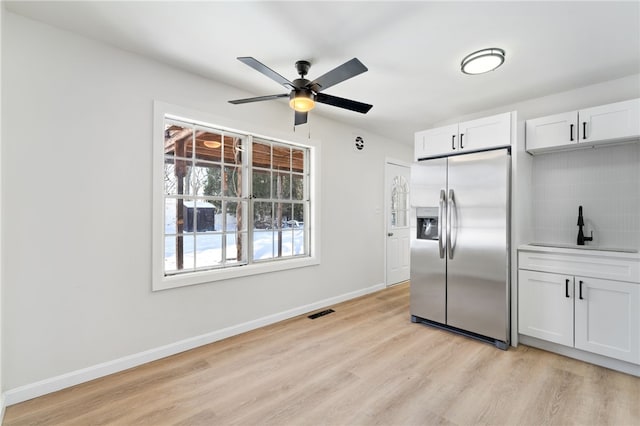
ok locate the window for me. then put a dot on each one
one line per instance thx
(232, 202)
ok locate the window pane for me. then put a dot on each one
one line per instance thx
(282, 186)
(236, 247)
(175, 138)
(232, 181)
(205, 218)
(208, 250)
(297, 187)
(208, 146)
(207, 179)
(235, 216)
(178, 253)
(262, 215)
(170, 179)
(298, 214)
(177, 172)
(262, 245)
(261, 184)
(284, 212)
(298, 241)
(281, 158)
(284, 243)
(261, 155)
(297, 157)
(173, 210)
(233, 149)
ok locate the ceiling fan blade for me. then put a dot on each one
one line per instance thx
(300, 118)
(262, 68)
(343, 103)
(258, 98)
(338, 75)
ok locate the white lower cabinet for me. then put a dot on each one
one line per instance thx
(595, 315)
(545, 310)
(607, 318)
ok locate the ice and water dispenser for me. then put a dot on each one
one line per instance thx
(427, 223)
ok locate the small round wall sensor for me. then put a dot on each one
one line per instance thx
(359, 143)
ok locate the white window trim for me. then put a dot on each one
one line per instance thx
(158, 279)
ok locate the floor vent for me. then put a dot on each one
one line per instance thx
(321, 313)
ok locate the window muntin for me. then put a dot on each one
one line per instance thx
(227, 205)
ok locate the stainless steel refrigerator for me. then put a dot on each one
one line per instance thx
(460, 244)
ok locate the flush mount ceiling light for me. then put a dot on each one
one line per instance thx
(482, 61)
(212, 144)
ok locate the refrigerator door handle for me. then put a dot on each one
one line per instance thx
(450, 207)
(442, 207)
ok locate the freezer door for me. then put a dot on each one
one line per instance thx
(428, 291)
(478, 258)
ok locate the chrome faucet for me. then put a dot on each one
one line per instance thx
(581, 237)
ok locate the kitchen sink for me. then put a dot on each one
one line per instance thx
(575, 246)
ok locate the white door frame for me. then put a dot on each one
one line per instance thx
(387, 201)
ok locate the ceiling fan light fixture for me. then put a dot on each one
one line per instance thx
(302, 100)
(482, 61)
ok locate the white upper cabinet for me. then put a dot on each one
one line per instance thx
(468, 136)
(436, 142)
(551, 131)
(610, 123)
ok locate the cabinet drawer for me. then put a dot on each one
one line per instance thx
(596, 266)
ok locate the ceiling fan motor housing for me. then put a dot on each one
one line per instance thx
(303, 67)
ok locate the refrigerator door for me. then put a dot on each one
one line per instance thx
(428, 264)
(478, 269)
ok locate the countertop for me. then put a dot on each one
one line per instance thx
(582, 250)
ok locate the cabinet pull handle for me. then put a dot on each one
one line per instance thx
(581, 298)
(453, 142)
(584, 130)
(461, 146)
(566, 288)
(571, 133)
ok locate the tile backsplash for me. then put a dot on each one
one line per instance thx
(605, 181)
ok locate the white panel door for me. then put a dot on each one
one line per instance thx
(484, 133)
(545, 306)
(397, 223)
(608, 318)
(611, 122)
(552, 131)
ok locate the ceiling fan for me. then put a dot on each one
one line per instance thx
(304, 93)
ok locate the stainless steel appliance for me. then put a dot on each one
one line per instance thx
(460, 244)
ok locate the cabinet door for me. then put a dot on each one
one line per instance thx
(484, 133)
(545, 306)
(552, 131)
(436, 142)
(608, 318)
(610, 123)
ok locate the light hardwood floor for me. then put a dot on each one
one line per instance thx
(365, 364)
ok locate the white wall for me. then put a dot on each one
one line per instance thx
(1, 235)
(76, 173)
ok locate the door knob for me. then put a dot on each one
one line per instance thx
(389, 234)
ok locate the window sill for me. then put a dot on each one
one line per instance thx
(194, 278)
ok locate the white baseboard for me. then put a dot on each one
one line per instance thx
(33, 390)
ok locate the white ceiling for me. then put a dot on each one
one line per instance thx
(412, 49)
